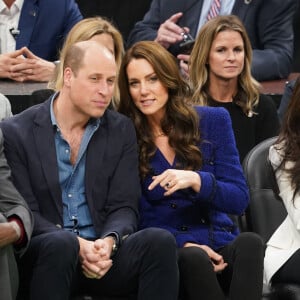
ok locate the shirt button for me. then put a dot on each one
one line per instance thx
(67, 150)
(184, 228)
(70, 195)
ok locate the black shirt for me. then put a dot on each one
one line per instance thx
(249, 131)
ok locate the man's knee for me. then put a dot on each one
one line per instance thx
(158, 238)
(60, 245)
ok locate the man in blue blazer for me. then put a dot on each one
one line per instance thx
(75, 163)
(40, 26)
(269, 25)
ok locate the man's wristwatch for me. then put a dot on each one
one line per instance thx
(115, 246)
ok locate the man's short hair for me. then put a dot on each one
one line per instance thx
(74, 58)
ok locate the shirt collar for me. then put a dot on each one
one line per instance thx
(17, 4)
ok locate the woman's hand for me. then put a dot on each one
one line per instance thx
(216, 259)
(172, 180)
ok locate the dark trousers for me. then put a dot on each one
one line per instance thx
(289, 272)
(242, 279)
(145, 265)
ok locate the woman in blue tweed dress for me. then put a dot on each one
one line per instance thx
(191, 178)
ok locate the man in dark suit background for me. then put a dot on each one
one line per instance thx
(75, 162)
(15, 230)
(269, 25)
(38, 25)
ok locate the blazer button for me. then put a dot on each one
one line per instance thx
(184, 228)
(58, 225)
(173, 205)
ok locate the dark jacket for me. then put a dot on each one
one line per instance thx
(44, 25)
(111, 174)
(269, 25)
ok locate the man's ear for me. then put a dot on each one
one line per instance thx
(68, 74)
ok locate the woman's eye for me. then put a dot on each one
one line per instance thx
(153, 79)
(133, 83)
(238, 50)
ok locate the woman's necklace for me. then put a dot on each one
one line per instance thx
(160, 134)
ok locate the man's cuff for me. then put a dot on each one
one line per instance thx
(19, 227)
(117, 243)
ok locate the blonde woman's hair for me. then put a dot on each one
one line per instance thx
(248, 87)
(83, 31)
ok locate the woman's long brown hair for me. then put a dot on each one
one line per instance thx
(180, 123)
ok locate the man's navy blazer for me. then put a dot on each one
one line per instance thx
(112, 183)
(269, 24)
(44, 24)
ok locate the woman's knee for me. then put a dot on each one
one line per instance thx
(194, 258)
(250, 242)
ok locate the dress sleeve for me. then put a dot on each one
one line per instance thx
(222, 179)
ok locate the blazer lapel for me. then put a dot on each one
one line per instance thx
(191, 16)
(27, 22)
(240, 8)
(45, 144)
(94, 158)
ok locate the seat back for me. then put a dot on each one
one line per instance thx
(265, 211)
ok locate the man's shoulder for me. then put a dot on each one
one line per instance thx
(52, 3)
(25, 118)
(115, 119)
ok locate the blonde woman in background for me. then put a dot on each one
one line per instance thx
(220, 74)
(97, 29)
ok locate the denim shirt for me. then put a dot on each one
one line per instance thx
(76, 214)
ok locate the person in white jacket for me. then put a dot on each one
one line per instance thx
(282, 257)
(5, 108)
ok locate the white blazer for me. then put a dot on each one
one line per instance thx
(5, 108)
(285, 241)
